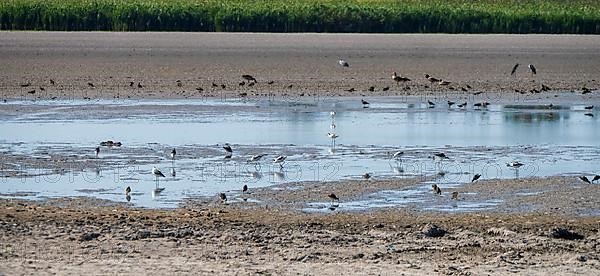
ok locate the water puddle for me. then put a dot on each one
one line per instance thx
(47, 147)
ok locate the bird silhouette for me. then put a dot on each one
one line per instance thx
(532, 68)
(514, 69)
(436, 190)
(333, 197)
(475, 177)
(585, 179)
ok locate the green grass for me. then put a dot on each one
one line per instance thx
(366, 16)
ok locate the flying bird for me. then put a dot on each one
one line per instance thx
(514, 69)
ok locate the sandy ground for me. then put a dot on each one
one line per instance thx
(206, 236)
(296, 64)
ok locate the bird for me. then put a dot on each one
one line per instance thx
(515, 164)
(179, 83)
(343, 63)
(128, 197)
(351, 89)
(127, 190)
(475, 177)
(52, 82)
(332, 113)
(371, 88)
(332, 126)
(431, 79)
(385, 88)
(589, 107)
(333, 197)
(242, 83)
(431, 104)
(256, 158)
(279, 160)
(223, 197)
(90, 84)
(140, 85)
(31, 92)
(332, 135)
(249, 78)
(589, 114)
(514, 69)
(443, 82)
(244, 189)
(157, 173)
(366, 176)
(454, 195)
(399, 79)
(364, 102)
(97, 151)
(227, 148)
(397, 155)
(131, 83)
(173, 153)
(441, 155)
(532, 68)
(585, 179)
(462, 105)
(596, 178)
(436, 190)
(450, 104)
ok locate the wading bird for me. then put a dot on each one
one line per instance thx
(173, 173)
(173, 153)
(440, 155)
(398, 155)
(454, 196)
(589, 107)
(157, 173)
(514, 69)
(462, 105)
(399, 79)
(127, 190)
(475, 177)
(585, 179)
(366, 176)
(450, 104)
(365, 103)
(244, 189)
(596, 178)
(223, 197)
(256, 158)
(431, 79)
(332, 135)
(436, 190)
(279, 160)
(431, 104)
(343, 63)
(333, 197)
(532, 68)
(97, 151)
(227, 148)
(515, 164)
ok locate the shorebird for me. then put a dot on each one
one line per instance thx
(332, 113)
(443, 83)
(333, 197)
(90, 84)
(279, 160)
(244, 189)
(223, 197)
(131, 84)
(385, 88)
(173, 153)
(371, 88)
(228, 148)
(256, 158)
(589, 107)
(440, 155)
(431, 104)
(364, 102)
(515, 164)
(52, 82)
(462, 105)
(343, 63)
(450, 104)
(398, 155)
(436, 190)
(476, 177)
(596, 178)
(249, 78)
(454, 196)
(128, 197)
(585, 179)
(140, 85)
(157, 174)
(127, 190)
(351, 89)
(97, 151)
(532, 68)
(431, 79)
(366, 176)
(514, 69)
(399, 79)
(332, 135)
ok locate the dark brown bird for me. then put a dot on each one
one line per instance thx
(385, 88)
(372, 88)
(90, 84)
(31, 92)
(585, 179)
(475, 177)
(333, 197)
(131, 83)
(589, 107)
(223, 86)
(431, 79)
(364, 102)
(249, 78)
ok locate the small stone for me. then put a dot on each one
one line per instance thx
(89, 236)
(562, 233)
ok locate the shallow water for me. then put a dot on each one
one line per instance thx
(550, 140)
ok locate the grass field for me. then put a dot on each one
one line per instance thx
(366, 16)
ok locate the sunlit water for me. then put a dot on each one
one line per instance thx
(550, 140)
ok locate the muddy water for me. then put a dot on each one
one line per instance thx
(550, 140)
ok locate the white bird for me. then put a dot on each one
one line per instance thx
(332, 135)
(279, 160)
(157, 173)
(343, 63)
(515, 164)
(397, 155)
(256, 158)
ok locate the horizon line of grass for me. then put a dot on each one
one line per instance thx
(358, 16)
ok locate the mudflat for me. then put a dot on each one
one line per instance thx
(181, 65)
